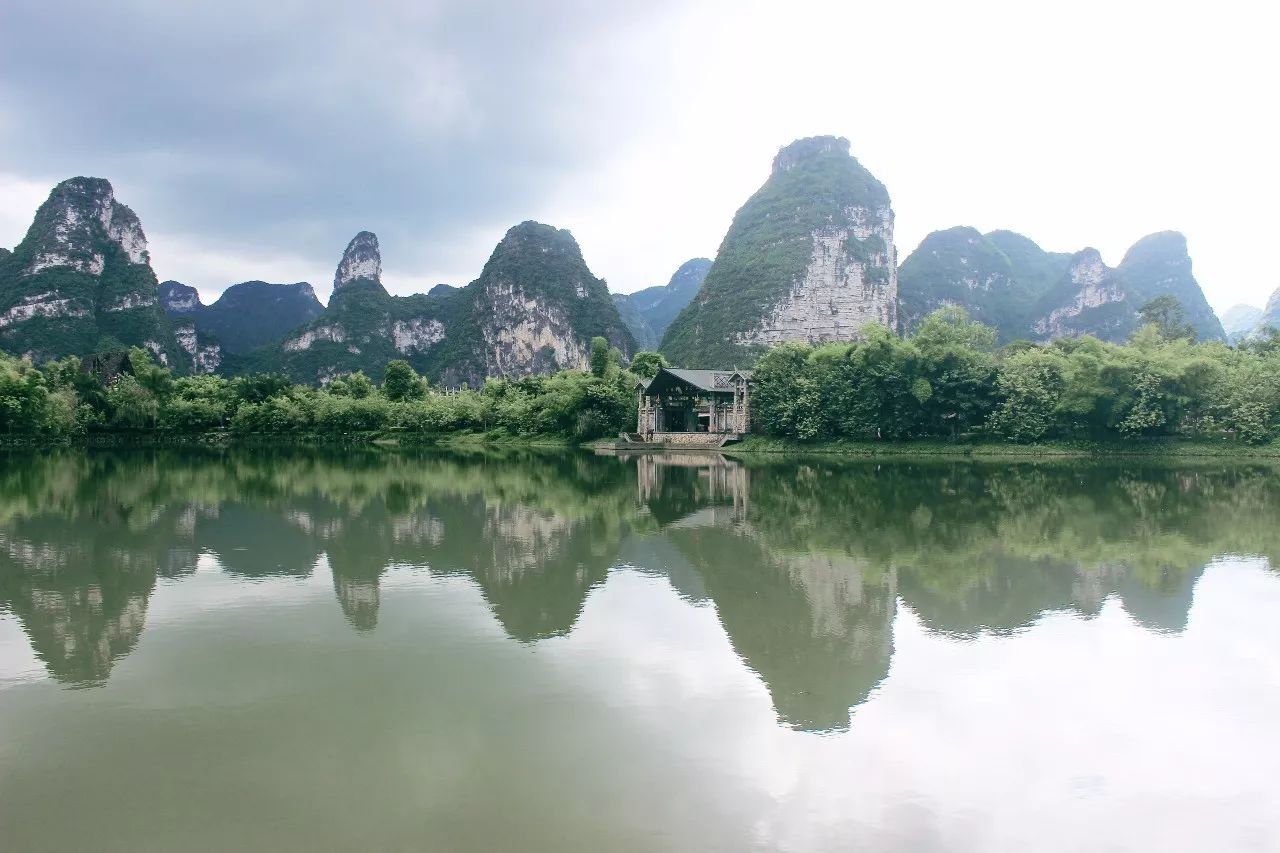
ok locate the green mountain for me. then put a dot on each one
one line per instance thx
(809, 257)
(362, 328)
(997, 277)
(81, 281)
(534, 309)
(649, 312)
(1091, 298)
(246, 316)
(1007, 281)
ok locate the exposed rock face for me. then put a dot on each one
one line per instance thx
(534, 309)
(809, 257)
(205, 354)
(179, 298)
(81, 280)
(362, 259)
(246, 316)
(362, 328)
(834, 299)
(649, 312)
(1090, 289)
(1239, 320)
(69, 228)
(1097, 300)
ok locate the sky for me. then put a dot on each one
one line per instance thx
(255, 139)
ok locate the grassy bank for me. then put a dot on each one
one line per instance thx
(1136, 448)
(224, 438)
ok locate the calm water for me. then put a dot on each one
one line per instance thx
(366, 651)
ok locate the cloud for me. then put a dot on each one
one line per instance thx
(252, 129)
(289, 126)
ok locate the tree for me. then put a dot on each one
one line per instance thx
(647, 364)
(1168, 316)
(599, 356)
(401, 382)
(354, 385)
(259, 387)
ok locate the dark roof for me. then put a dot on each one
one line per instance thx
(704, 380)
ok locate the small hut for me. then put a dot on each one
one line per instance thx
(679, 402)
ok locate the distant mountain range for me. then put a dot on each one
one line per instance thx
(649, 312)
(246, 316)
(809, 257)
(1007, 281)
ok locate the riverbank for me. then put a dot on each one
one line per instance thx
(222, 438)
(750, 446)
(1137, 448)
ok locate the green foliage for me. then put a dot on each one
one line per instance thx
(1168, 316)
(599, 356)
(945, 381)
(401, 382)
(647, 364)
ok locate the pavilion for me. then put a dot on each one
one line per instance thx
(677, 404)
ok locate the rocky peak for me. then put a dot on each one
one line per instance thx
(809, 149)
(179, 298)
(78, 224)
(1159, 265)
(1087, 268)
(809, 257)
(1168, 247)
(534, 238)
(362, 259)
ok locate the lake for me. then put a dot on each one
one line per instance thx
(322, 650)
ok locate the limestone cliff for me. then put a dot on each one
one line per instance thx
(809, 257)
(361, 260)
(81, 280)
(1092, 298)
(362, 328)
(534, 309)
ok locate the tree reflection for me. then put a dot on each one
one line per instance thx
(805, 562)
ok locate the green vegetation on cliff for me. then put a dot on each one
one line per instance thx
(815, 186)
(81, 281)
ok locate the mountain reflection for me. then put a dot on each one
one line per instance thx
(805, 563)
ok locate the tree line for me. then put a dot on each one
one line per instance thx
(60, 400)
(949, 380)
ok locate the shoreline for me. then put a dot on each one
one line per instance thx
(751, 446)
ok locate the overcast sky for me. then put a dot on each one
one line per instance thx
(255, 138)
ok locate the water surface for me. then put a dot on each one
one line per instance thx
(302, 650)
